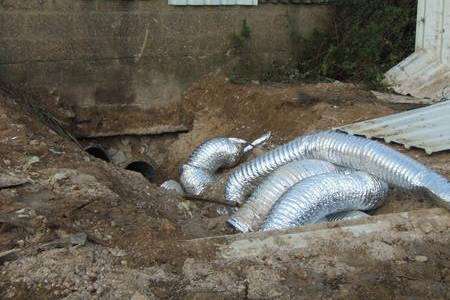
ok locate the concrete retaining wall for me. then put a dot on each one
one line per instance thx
(120, 67)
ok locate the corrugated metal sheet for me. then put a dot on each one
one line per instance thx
(213, 2)
(426, 72)
(427, 128)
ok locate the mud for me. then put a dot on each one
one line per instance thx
(135, 231)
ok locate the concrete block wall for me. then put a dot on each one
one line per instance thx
(121, 66)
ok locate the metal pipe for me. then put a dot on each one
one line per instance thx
(255, 210)
(319, 196)
(344, 216)
(199, 171)
(172, 185)
(341, 149)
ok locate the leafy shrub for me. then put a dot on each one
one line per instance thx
(246, 66)
(369, 37)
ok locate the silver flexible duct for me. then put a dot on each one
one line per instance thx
(255, 210)
(343, 216)
(199, 171)
(319, 196)
(172, 185)
(344, 150)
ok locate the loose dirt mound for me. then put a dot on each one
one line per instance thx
(59, 193)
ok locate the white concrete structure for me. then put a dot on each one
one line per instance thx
(426, 73)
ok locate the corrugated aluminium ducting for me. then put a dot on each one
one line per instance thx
(199, 171)
(343, 150)
(172, 185)
(319, 196)
(343, 216)
(254, 211)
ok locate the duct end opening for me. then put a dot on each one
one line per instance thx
(146, 169)
(98, 152)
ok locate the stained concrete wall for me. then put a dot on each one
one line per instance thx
(120, 67)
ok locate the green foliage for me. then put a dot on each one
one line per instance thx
(246, 67)
(368, 38)
(240, 40)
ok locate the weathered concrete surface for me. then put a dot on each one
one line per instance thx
(398, 256)
(120, 67)
(389, 256)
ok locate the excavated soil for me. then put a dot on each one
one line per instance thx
(75, 226)
(221, 108)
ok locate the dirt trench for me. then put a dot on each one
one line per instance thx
(131, 230)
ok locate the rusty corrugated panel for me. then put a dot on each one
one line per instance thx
(427, 128)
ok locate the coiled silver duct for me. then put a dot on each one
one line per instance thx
(345, 215)
(172, 185)
(255, 210)
(199, 171)
(319, 196)
(344, 150)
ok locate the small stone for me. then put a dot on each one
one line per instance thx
(21, 211)
(167, 227)
(426, 227)
(117, 252)
(119, 157)
(20, 243)
(421, 258)
(7, 181)
(91, 289)
(92, 276)
(58, 177)
(138, 296)
(124, 262)
(100, 290)
(78, 239)
(56, 151)
(32, 160)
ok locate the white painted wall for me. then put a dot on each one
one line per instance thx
(426, 73)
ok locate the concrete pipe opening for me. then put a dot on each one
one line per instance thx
(146, 169)
(98, 152)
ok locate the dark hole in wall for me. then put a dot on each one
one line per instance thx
(144, 168)
(98, 152)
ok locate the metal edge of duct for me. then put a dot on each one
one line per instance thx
(426, 128)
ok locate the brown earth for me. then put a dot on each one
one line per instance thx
(221, 108)
(130, 223)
